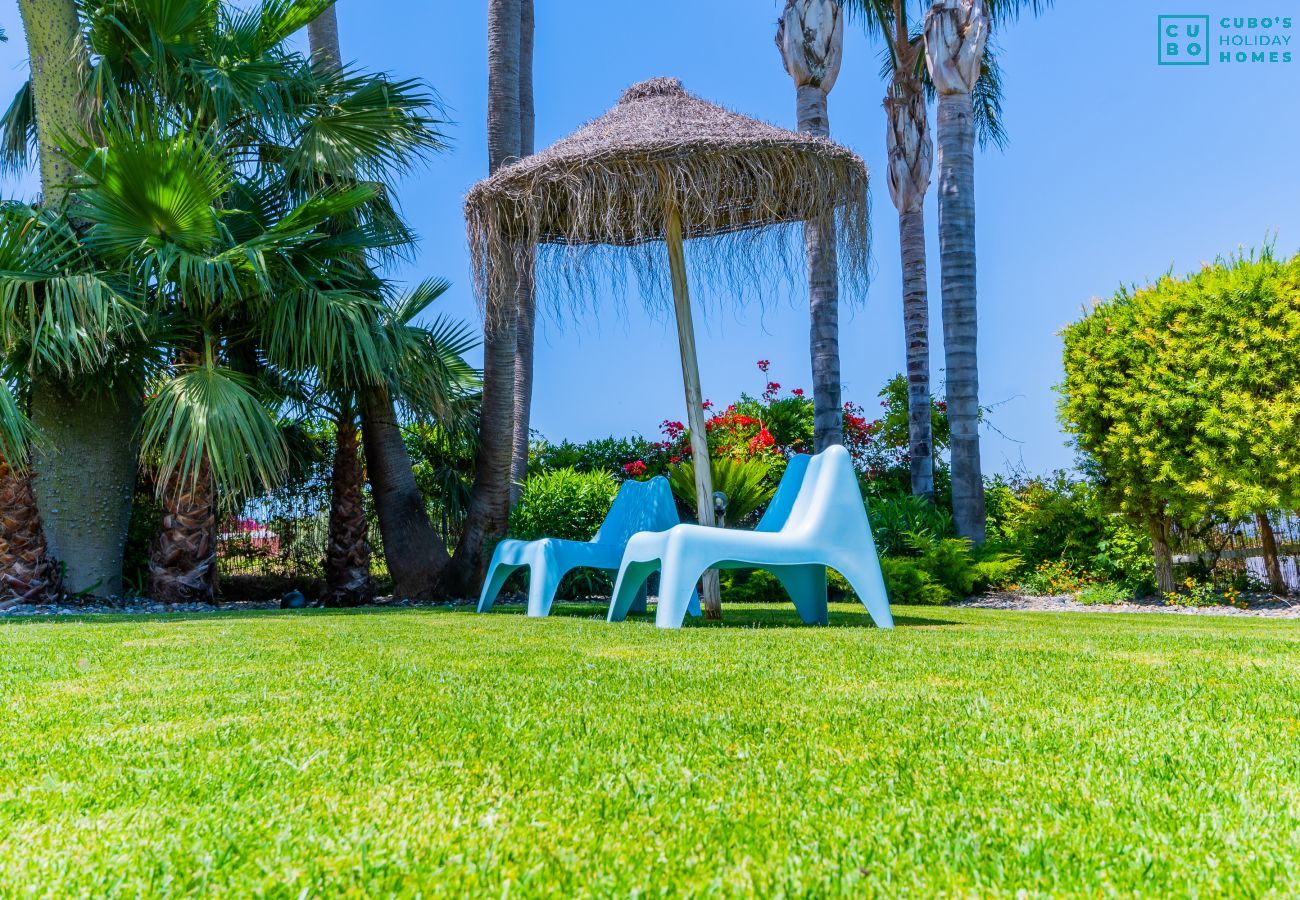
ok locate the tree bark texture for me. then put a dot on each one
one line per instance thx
(1272, 565)
(527, 292)
(1164, 555)
(28, 573)
(183, 558)
(415, 554)
(347, 553)
(957, 262)
(85, 467)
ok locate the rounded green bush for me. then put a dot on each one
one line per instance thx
(563, 504)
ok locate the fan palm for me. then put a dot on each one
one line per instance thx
(240, 195)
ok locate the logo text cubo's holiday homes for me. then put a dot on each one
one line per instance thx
(1199, 40)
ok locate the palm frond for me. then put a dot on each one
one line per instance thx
(205, 413)
(15, 430)
(18, 132)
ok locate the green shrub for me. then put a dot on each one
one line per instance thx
(908, 582)
(602, 455)
(1103, 593)
(895, 516)
(996, 571)
(751, 586)
(745, 483)
(563, 504)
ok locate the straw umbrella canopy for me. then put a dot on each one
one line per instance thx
(663, 166)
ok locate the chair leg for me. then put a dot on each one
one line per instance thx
(639, 602)
(496, 579)
(866, 579)
(676, 589)
(806, 586)
(630, 583)
(543, 581)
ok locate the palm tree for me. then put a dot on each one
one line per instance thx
(430, 378)
(527, 314)
(239, 219)
(955, 35)
(415, 553)
(85, 465)
(490, 504)
(911, 157)
(810, 36)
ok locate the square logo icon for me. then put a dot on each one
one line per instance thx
(1184, 40)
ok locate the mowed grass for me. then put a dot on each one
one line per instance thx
(441, 752)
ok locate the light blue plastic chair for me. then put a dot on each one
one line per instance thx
(640, 506)
(816, 520)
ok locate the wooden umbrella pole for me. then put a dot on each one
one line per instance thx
(711, 600)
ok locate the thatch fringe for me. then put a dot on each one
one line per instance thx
(596, 203)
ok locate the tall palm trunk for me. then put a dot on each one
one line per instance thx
(911, 157)
(1272, 565)
(490, 504)
(527, 316)
(416, 556)
(323, 39)
(85, 469)
(955, 33)
(27, 572)
(810, 37)
(347, 553)
(183, 558)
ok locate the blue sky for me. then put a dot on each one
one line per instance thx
(1118, 169)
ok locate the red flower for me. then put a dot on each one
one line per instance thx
(761, 441)
(635, 468)
(675, 460)
(707, 404)
(798, 392)
(764, 365)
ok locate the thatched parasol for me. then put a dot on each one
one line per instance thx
(664, 165)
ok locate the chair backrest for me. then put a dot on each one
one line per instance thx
(829, 498)
(638, 506)
(778, 510)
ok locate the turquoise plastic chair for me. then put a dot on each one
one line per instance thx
(640, 506)
(816, 520)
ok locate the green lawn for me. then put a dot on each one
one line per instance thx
(438, 751)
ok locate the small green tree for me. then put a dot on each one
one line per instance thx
(1185, 398)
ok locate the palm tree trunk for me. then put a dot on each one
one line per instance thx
(323, 39)
(416, 556)
(183, 559)
(54, 49)
(1164, 556)
(27, 572)
(490, 505)
(347, 553)
(1272, 565)
(957, 260)
(911, 158)
(823, 294)
(527, 315)
(86, 467)
(85, 470)
(916, 329)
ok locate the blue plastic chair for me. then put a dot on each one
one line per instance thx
(640, 506)
(816, 520)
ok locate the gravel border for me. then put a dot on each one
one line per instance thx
(1262, 606)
